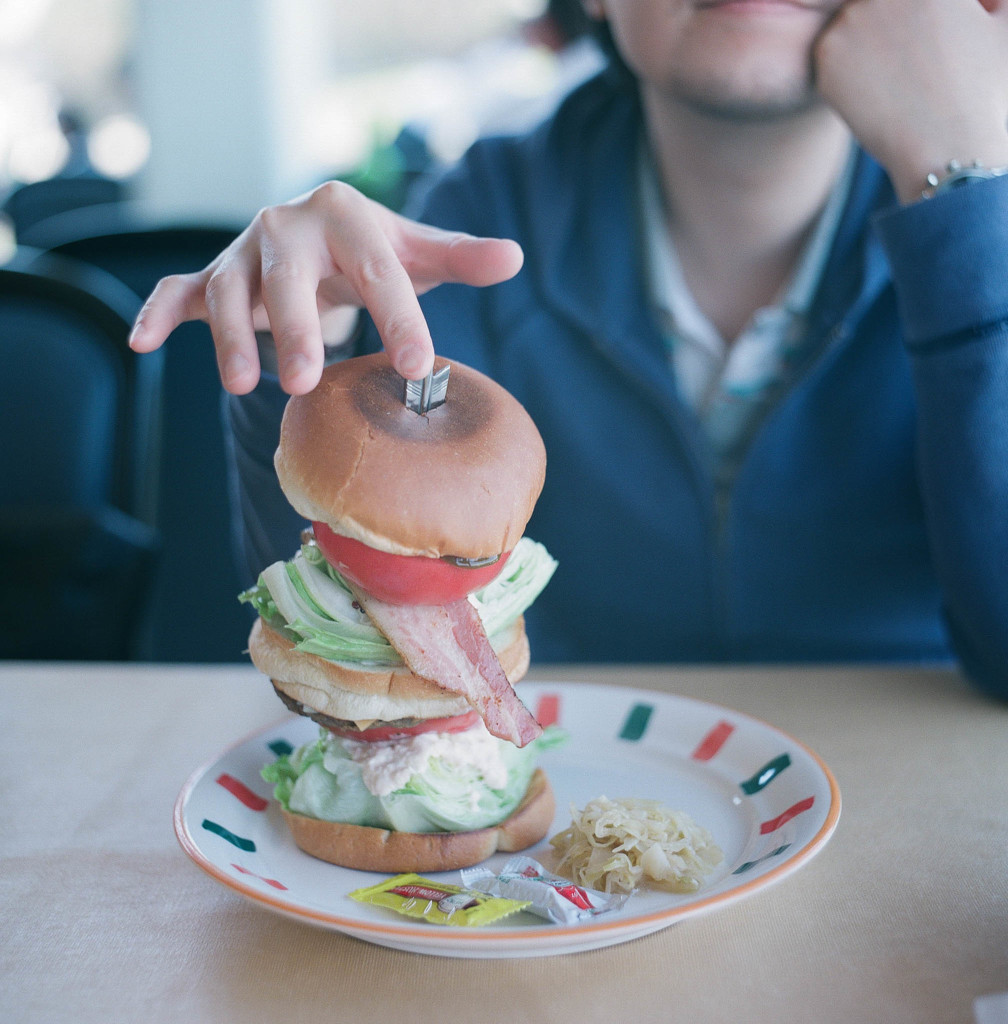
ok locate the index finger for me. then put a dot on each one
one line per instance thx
(364, 254)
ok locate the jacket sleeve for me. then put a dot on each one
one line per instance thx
(949, 257)
(264, 527)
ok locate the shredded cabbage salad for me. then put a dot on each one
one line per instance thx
(324, 780)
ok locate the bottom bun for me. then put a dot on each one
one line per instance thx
(378, 849)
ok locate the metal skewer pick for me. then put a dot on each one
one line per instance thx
(423, 395)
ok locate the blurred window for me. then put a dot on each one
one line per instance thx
(442, 71)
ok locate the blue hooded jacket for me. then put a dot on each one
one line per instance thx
(869, 517)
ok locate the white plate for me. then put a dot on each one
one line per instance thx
(769, 800)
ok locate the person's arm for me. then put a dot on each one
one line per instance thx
(922, 83)
(948, 256)
(301, 267)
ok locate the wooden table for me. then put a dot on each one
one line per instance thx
(902, 917)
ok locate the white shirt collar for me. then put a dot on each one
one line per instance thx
(700, 355)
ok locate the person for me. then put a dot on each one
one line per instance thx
(757, 311)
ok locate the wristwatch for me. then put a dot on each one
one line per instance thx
(957, 175)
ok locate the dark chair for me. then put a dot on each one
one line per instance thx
(28, 204)
(82, 222)
(196, 613)
(80, 419)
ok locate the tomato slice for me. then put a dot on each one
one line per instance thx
(456, 723)
(403, 579)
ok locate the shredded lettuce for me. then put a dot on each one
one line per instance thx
(307, 600)
(321, 780)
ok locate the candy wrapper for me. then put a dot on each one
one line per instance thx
(547, 895)
(437, 902)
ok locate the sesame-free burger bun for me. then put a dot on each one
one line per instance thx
(354, 694)
(461, 480)
(377, 849)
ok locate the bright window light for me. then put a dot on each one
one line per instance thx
(37, 155)
(119, 146)
(19, 20)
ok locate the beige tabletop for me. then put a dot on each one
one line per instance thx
(903, 916)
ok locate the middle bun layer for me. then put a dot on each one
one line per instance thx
(358, 694)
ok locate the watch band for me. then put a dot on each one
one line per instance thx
(956, 175)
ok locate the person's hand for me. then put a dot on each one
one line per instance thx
(303, 269)
(919, 82)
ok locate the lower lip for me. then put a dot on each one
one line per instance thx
(755, 7)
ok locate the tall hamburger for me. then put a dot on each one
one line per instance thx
(399, 627)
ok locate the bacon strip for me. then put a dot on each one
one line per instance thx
(447, 645)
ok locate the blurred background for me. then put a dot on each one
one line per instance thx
(213, 108)
(137, 137)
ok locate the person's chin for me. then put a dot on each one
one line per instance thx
(747, 92)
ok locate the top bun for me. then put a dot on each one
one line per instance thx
(461, 480)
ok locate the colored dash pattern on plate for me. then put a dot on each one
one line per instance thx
(635, 725)
(254, 802)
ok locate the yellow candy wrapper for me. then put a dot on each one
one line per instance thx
(437, 902)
